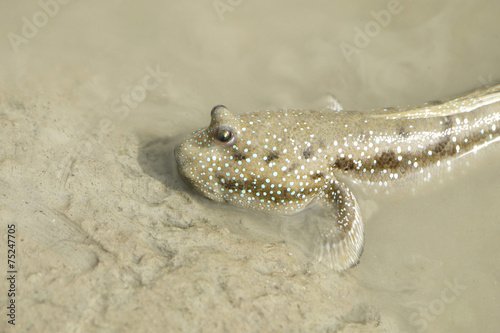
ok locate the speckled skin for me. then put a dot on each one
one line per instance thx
(282, 160)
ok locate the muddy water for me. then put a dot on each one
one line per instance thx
(154, 70)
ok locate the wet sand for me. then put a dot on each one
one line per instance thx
(93, 98)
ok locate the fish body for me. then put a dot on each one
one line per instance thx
(282, 160)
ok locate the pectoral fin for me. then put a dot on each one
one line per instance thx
(342, 243)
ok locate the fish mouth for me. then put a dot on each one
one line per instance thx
(183, 162)
(183, 177)
(177, 154)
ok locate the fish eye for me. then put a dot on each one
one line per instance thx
(224, 134)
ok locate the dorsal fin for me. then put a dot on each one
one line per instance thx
(463, 104)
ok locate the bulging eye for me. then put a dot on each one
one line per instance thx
(224, 134)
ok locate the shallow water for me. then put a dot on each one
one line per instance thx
(430, 261)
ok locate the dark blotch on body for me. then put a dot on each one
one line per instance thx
(402, 131)
(227, 183)
(230, 184)
(272, 156)
(344, 164)
(307, 153)
(317, 175)
(440, 147)
(239, 157)
(447, 123)
(387, 160)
